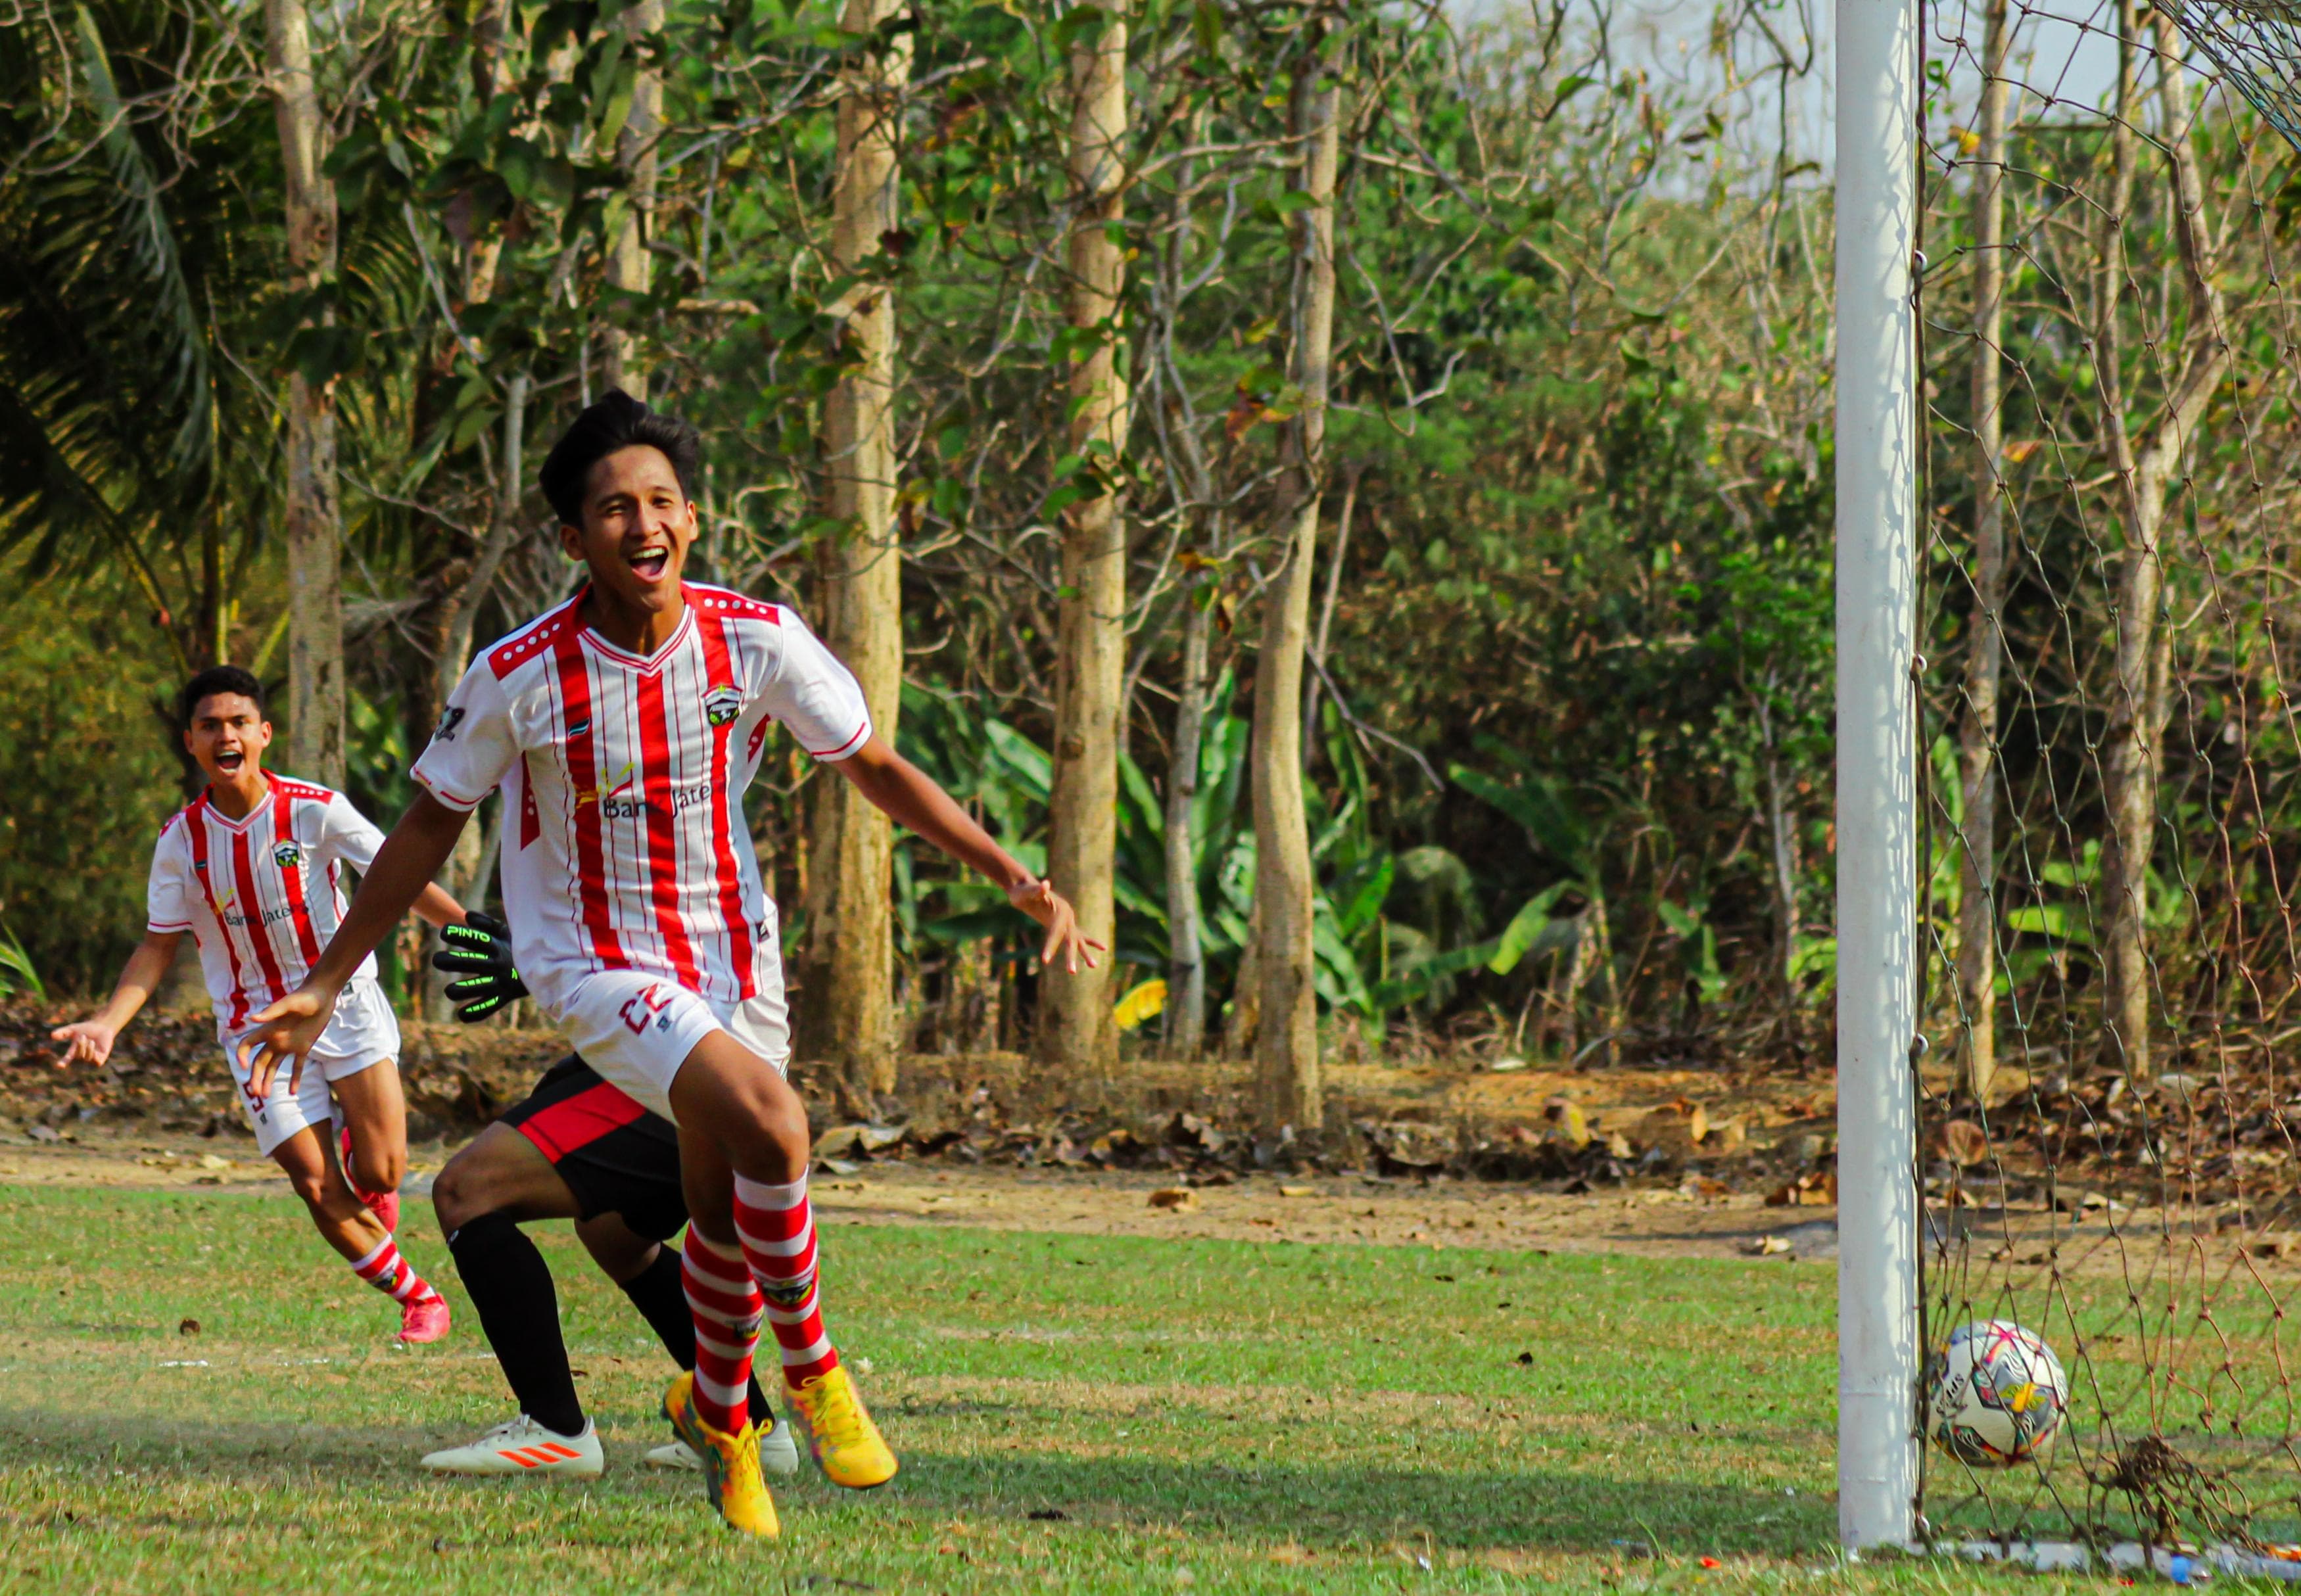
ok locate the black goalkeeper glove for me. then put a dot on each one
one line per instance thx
(479, 951)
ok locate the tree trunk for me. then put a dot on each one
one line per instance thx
(1977, 910)
(1781, 829)
(492, 74)
(1326, 604)
(1286, 1045)
(464, 873)
(1186, 966)
(315, 592)
(2137, 707)
(846, 988)
(1243, 1026)
(463, 606)
(628, 263)
(1075, 1026)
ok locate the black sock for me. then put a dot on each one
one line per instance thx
(509, 1281)
(661, 1298)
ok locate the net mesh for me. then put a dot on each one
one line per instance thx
(2109, 753)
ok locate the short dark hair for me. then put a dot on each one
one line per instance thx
(617, 422)
(215, 679)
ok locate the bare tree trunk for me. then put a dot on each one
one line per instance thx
(492, 74)
(463, 604)
(2136, 716)
(628, 263)
(1286, 1047)
(462, 873)
(1075, 1011)
(1976, 913)
(847, 991)
(1243, 1026)
(1326, 604)
(1186, 966)
(315, 590)
(1781, 829)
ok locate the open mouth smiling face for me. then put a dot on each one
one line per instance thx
(637, 525)
(650, 563)
(227, 735)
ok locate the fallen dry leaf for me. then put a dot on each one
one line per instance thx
(1964, 1143)
(1179, 1199)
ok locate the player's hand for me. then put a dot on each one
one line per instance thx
(1041, 901)
(480, 951)
(285, 1032)
(90, 1042)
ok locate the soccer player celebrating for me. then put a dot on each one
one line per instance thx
(624, 727)
(249, 867)
(575, 1147)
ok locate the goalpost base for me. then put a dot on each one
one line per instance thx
(2180, 1565)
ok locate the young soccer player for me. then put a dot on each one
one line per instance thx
(624, 727)
(575, 1147)
(249, 867)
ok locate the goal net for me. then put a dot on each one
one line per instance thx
(2110, 766)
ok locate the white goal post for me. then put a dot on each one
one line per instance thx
(1878, 440)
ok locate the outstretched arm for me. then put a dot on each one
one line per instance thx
(91, 1039)
(909, 797)
(401, 873)
(436, 905)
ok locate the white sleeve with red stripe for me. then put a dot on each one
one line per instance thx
(815, 695)
(473, 748)
(346, 836)
(167, 900)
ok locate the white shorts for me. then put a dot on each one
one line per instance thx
(362, 1031)
(636, 1029)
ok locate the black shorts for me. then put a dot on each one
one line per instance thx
(615, 1156)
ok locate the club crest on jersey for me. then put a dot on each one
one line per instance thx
(721, 704)
(288, 856)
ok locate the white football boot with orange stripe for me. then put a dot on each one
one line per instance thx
(521, 1446)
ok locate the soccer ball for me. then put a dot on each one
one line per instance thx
(1996, 1394)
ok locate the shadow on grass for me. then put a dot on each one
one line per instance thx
(1322, 1507)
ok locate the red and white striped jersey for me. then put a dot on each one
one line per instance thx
(261, 894)
(626, 847)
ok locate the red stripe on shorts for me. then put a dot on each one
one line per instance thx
(577, 1121)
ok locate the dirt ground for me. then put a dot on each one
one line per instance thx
(1665, 1162)
(1307, 1208)
(2019, 1248)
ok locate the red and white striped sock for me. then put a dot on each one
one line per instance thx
(393, 1275)
(725, 1304)
(778, 1231)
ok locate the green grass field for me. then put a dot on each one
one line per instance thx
(1073, 1414)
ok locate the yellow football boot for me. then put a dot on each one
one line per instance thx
(730, 1463)
(847, 1445)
